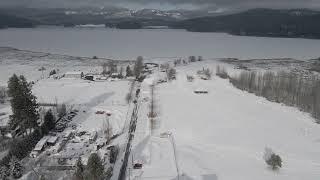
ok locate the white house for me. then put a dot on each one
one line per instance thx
(74, 74)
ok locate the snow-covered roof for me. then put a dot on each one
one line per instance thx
(52, 139)
(74, 72)
(40, 144)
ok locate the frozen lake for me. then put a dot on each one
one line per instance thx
(127, 44)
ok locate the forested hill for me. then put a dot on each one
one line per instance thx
(15, 22)
(260, 22)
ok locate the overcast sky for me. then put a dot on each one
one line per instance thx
(167, 4)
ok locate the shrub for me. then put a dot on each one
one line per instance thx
(52, 72)
(272, 159)
(171, 74)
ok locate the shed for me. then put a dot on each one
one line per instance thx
(201, 91)
(74, 74)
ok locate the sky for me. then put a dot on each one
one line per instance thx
(167, 4)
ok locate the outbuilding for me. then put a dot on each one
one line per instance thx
(74, 74)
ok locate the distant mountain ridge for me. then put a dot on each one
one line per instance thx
(302, 23)
(15, 22)
(259, 22)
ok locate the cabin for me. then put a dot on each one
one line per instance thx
(74, 74)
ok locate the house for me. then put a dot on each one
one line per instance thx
(89, 77)
(115, 75)
(74, 74)
(68, 135)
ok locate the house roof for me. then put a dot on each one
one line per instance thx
(41, 143)
(74, 72)
(52, 139)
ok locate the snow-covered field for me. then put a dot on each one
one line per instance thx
(216, 136)
(222, 135)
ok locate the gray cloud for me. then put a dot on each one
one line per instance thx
(167, 3)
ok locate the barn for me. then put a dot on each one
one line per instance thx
(74, 74)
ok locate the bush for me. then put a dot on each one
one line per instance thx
(171, 74)
(275, 161)
(52, 72)
(272, 159)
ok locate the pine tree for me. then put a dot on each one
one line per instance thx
(4, 173)
(79, 173)
(49, 122)
(16, 168)
(138, 67)
(95, 169)
(128, 72)
(23, 104)
(14, 91)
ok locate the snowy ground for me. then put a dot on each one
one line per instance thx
(216, 136)
(222, 135)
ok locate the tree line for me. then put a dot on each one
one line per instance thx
(283, 87)
(25, 125)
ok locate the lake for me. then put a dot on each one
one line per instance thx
(154, 43)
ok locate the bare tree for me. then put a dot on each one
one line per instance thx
(283, 87)
(207, 73)
(107, 128)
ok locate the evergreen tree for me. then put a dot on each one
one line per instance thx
(128, 72)
(16, 168)
(120, 73)
(23, 104)
(79, 173)
(95, 169)
(4, 173)
(14, 91)
(49, 122)
(138, 67)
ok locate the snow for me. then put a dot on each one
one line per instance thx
(223, 134)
